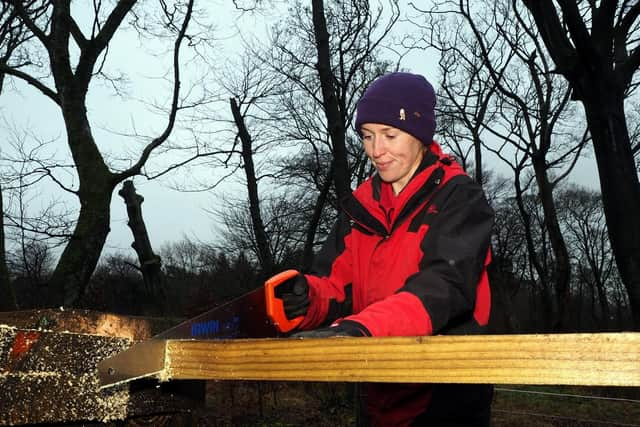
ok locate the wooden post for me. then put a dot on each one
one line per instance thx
(48, 369)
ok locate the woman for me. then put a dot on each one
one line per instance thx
(407, 256)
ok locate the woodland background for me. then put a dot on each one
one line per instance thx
(536, 85)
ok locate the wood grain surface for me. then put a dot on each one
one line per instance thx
(570, 359)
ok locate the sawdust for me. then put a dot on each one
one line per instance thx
(6, 335)
(58, 380)
(165, 375)
(111, 405)
(29, 375)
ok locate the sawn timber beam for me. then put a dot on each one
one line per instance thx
(611, 359)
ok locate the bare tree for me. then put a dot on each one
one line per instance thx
(7, 295)
(31, 224)
(464, 109)
(250, 89)
(26, 162)
(55, 55)
(284, 225)
(335, 121)
(509, 261)
(594, 45)
(350, 43)
(117, 286)
(32, 261)
(586, 230)
(34, 223)
(528, 116)
(633, 119)
(294, 151)
(507, 254)
(466, 90)
(263, 250)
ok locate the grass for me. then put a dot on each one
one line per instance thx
(328, 404)
(565, 406)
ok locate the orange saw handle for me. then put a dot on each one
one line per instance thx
(275, 306)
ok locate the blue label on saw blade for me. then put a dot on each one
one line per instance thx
(229, 328)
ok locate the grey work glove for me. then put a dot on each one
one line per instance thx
(294, 294)
(346, 328)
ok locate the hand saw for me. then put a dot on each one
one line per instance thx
(257, 314)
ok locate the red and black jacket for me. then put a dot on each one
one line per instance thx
(415, 264)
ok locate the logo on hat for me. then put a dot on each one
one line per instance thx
(403, 116)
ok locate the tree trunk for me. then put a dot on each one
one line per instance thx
(502, 282)
(534, 260)
(81, 255)
(96, 183)
(562, 266)
(150, 263)
(72, 65)
(620, 189)
(599, 63)
(477, 158)
(335, 121)
(264, 251)
(7, 296)
(307, 252)
(604, 305)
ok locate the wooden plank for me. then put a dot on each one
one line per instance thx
(611, 359)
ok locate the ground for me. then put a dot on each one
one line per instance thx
(322, 404)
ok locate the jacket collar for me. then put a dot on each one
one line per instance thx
(429, 159)
(363, 206)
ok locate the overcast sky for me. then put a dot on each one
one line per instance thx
(169, 214)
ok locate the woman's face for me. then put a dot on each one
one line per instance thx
(395, 154)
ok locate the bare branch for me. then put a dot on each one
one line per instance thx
(31, 81)
(93, 48)
(135, 169)
(29, 22)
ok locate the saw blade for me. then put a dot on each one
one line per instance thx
(243, 317)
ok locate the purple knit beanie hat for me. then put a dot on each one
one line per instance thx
(403, 100)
